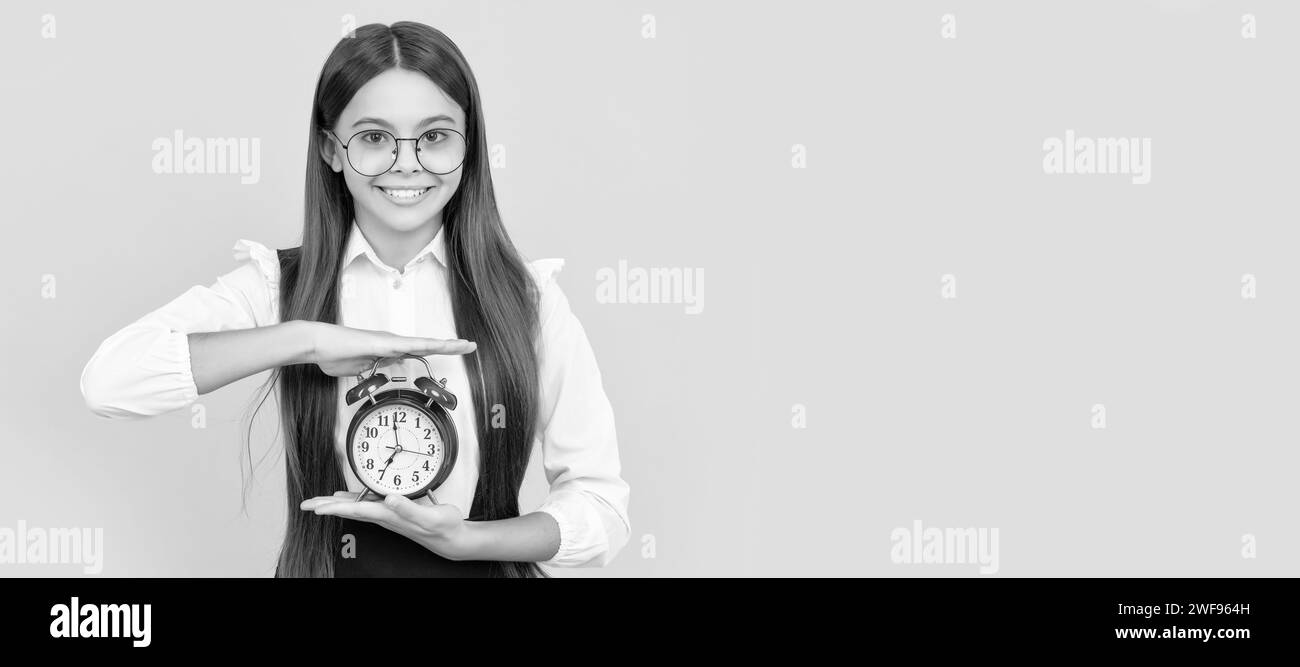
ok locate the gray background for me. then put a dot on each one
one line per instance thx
(822, 284)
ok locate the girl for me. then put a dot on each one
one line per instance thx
(403, 251)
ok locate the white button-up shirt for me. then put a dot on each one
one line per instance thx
(144, 370)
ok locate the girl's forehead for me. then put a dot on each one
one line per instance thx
(402, 98)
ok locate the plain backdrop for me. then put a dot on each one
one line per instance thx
(822, 283)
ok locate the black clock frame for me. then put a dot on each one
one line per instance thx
(438, 416)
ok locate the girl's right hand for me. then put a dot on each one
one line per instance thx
(343, 351)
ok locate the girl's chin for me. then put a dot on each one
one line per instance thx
(405, 218)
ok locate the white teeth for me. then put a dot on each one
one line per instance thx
(404, 193)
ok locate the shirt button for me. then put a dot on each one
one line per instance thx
(420, 259)
(397, 282)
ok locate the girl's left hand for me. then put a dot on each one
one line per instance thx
(438, 527)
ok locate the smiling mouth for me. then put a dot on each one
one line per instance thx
(404, 195)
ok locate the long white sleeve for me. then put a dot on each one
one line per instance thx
(588, 498)
(144, 370)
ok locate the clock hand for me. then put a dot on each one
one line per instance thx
(389, 462)
(395, 451)
(409, 451)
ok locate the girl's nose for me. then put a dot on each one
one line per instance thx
(407, 160)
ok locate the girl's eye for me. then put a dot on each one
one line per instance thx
(373, 137)
(432, 136)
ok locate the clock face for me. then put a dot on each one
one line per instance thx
(397, 448)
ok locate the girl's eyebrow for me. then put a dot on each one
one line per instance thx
(384, 123)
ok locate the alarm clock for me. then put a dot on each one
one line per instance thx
(402, 440)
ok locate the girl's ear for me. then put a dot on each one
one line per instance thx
(331, 152)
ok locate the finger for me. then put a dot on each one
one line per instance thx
(426, 346)
(313, 503)
(339, 496)
(373, 512)
(405, 508)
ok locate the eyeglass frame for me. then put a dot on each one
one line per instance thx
(397, 152)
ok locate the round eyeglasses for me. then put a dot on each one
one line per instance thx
(374, 152)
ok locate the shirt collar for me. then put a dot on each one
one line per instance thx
(358, 245)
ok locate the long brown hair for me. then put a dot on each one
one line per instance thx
(494, 301)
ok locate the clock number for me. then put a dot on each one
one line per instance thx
(426, 465)
(400, 418)
(372, 432)
(397, 480)
(365, 446)
(383, 420)
(427, 431)
(415, 477)
(417, 421)
(370, 464)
